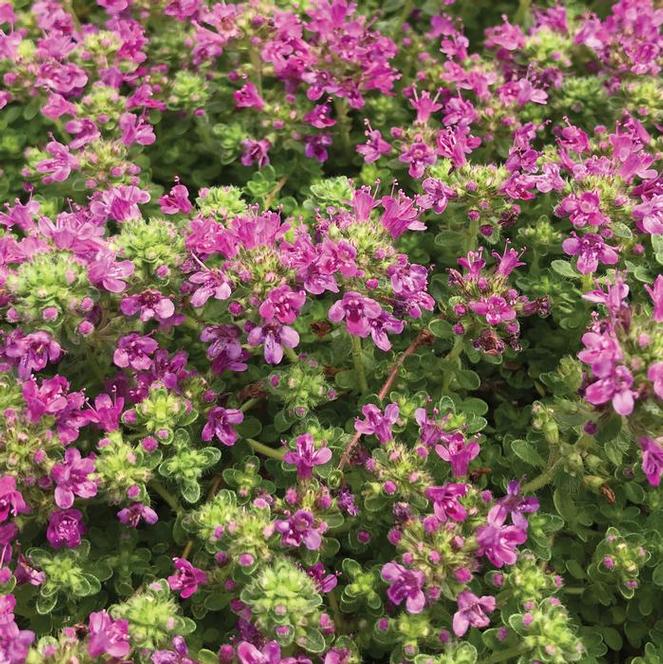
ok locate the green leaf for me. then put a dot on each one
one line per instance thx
(190, 491)
(44, 605)
(312, 641)
(564, 268)
(612, 638)
(657, 575)
(526, 451)
(441, 328)
(250, 427)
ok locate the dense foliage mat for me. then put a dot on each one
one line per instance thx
(330, 332)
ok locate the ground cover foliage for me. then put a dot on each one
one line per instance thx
(331, 332)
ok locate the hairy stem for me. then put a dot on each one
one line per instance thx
(167, 496)
(267, 451)
(358, 359)
(452, 357)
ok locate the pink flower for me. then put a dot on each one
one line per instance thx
(374, 148)
(458, 452)
(134, 350)
(274, 336)
(32, 351)
(60, 165)
(649, 215)
(446, 501)
(301, 528)
(119, 203)
(248, 97)
(356, 310)
(590, 250)
(400, 214)
(652, 460)
(472, 612)
(71, 478)
(108, 274)
(376, 424)
(255, 152)
(176, 201)
(187, 578)
(150, 304)
(306, 456)
(136, 512)
(11, 499)
(136, 130)
(282, 304)
(615, 387)
(405, 584)
(656, 295)
(495, 309)
(655, 376)
(209, 283)
(499, 542)
(65, 528)
(107, 636)
(220, 423)
(247, 653)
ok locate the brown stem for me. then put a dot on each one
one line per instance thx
(274, 192)
(424, 337)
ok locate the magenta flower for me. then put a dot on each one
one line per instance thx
(178, 655)
(209, 283)
(590, 250)
(32, 351)
(108, 274)
(225, 349)
(52, 398)
(446, 501)
(615, 387)
(305, 457)
(136, 130)
(649, 215)
(315, 147)
(247, 653)
(656, 295)
(517, 505)
(375, 423)
(582, 209)
(400, 215)
(60, 165)
(248, 97)
(187, 578)
(495, 309)
(11, 499)
(300, 528)
(176, 201)
(107, 636)
(458, 452)
(436, 195)
(283, 304)
(106, 412)
(150, 304)
(652, 460)
(119, 203)
(499, 542)
(655, 376)
(472, 612)
(71, 478)
(65, 528)
(136, 512)
(220, 423)
(374, 148)
(134, 350)
(275, 337)
(386, 323)
(255, 152)
(357, 311)
(405, 584)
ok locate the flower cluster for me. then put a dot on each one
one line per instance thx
(330, 332)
